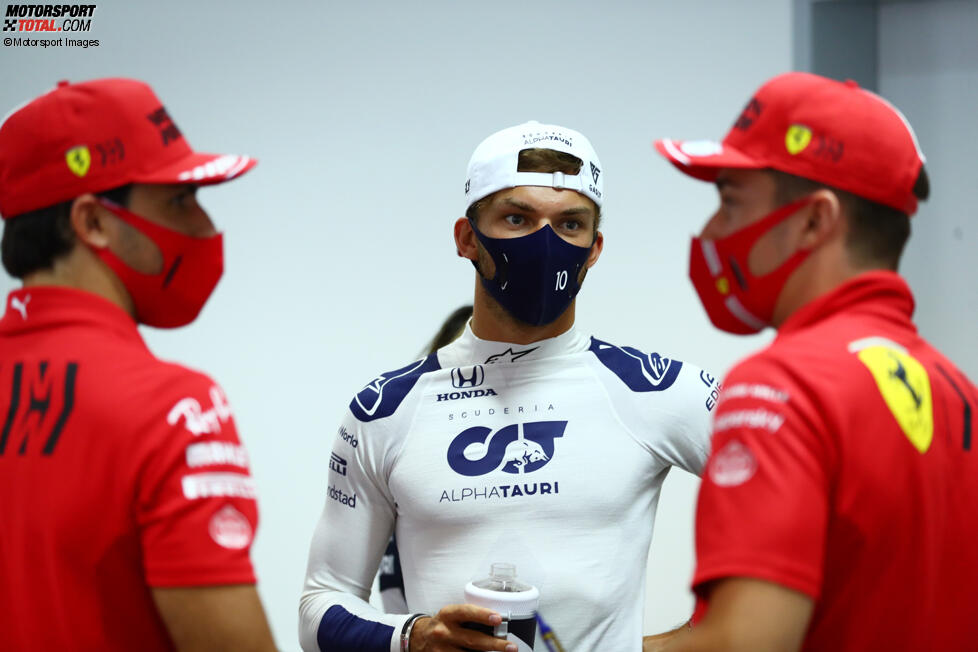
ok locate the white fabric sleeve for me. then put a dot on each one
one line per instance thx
(665, 404)
(686, 419)
(393, 600)
(347, 546)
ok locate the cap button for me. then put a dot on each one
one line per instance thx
(851, 83)
(63, 83)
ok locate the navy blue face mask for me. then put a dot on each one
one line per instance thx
(536, 274)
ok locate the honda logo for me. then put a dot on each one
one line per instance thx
(475, 377)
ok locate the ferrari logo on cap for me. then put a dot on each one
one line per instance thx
(723, 285)
(905, 386)
(797, 139)
(79, 160)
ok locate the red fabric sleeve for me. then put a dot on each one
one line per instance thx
(196, 510)
(763, 505)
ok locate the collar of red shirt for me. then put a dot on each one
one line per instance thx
(880, 293)
(47, 306)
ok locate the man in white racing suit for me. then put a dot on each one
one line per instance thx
(524, 441)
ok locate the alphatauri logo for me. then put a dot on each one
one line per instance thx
(519, 448)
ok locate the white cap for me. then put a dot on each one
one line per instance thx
(494, 162)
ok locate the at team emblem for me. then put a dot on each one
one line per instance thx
(79, 160)
(905, 386)
(519, 448)
(521, 453)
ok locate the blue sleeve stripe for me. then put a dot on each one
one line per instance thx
(382, 396)
(341, 631)
(641, 372)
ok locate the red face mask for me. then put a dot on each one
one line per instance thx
(191, 269)
(736, 300)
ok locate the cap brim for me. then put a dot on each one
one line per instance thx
(702, 159)
(202, 169)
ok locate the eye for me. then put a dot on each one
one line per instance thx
(514, 220)
(572, 225)
(185, 197)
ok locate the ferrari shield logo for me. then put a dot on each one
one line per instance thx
(905, 386)
(797, 139)
(79, 160)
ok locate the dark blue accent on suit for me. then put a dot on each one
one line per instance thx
(382, 396)
(341, 631)
(641, 372)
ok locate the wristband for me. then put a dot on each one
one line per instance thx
(406, 630)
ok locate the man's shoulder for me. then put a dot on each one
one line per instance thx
(383, 395)
(830, 351)
(155, 380)
(635, 369)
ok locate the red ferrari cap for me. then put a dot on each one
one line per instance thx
(94, 136)
(824, 130)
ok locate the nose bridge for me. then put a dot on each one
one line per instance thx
(544, 221)
(547, 239)
(201, 225)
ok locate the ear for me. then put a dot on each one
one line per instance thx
(466, 244)
(596, 250)
(823, 220)
(89, 221)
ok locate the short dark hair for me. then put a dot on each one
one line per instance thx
(540, 159)
(33, 241)
(877, 233)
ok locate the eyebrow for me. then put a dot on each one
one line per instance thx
(527, 208)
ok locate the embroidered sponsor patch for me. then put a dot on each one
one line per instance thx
(733, 465)
(197, 420)
(214, 453)
(230, 529)
(759, 418)
(751, 390)
(214, 485)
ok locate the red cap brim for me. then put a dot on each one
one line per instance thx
(202, 169)
(702, 159)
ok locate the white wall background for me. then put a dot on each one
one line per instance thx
(928, 66)
(340, 261)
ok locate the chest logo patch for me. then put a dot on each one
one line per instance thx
(905, 386)
(519, 448)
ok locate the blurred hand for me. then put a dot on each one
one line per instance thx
(444, 632)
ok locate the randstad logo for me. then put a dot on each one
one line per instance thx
(519, 448)
(343, 498)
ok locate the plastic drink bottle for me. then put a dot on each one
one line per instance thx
(515, 601)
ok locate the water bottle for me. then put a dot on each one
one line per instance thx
(515, 601)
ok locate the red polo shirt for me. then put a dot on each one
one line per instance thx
(845, 466)
(118, 472)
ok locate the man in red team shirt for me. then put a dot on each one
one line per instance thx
(128, 508)
(838, 508)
